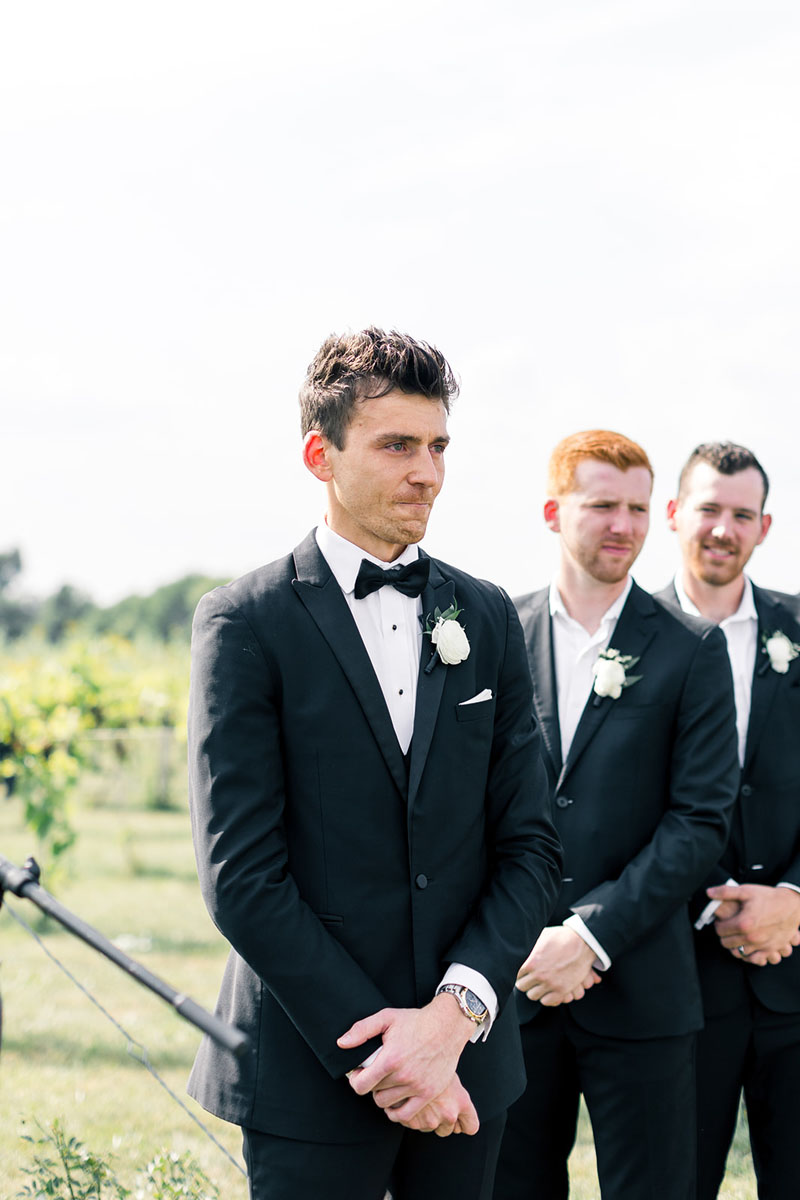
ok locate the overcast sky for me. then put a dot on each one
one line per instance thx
(592, 208)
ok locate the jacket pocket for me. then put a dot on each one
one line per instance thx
(482, 710)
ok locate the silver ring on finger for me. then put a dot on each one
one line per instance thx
(744, 953)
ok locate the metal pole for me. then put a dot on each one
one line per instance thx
(24, 882)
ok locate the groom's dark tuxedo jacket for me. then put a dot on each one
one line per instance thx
(764, 845)
(642, 806)
(345, 876)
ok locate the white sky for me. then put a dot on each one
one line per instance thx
(591, 207)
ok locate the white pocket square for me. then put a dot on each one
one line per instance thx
(486, 694)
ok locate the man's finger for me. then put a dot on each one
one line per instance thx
(728, 891)
(363, 1030)
(390, 1097)
(527, 980)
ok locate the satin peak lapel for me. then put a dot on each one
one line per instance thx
(538, 630)
(440, 593)
(327, 607)
(633, 632)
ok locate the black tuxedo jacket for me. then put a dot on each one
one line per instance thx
(642, 806)
(344, 879)
(764, 845)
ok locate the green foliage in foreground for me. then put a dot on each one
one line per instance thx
(53, 699)
(67, 1168)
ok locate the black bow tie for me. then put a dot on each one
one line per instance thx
(410, 579)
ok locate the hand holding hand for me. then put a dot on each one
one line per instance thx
(559, 968)
(418, 1059)
(451, 1112)
(765, 921)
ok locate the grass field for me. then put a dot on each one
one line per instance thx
(132, 876)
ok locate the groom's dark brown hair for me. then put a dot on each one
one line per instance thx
(364, 366)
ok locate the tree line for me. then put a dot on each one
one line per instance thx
(163, 615)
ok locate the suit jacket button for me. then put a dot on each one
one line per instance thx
(421, 881)
(563, 801)
(746, 789)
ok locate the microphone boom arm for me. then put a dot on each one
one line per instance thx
(24, 882)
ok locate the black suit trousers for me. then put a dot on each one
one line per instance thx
(756, 1050)
(641, 1100)
(416, 1166)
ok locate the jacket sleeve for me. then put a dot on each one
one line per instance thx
(237, 807)
(691, 835)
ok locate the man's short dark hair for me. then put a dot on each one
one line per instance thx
(364, 366)
(725, 457)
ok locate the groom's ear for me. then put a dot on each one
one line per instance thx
(315, 456)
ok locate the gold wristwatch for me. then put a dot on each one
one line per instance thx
(468, 1002)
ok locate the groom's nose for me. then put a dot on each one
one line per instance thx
(424, 469)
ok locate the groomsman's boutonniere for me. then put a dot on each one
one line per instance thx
(611, 673)
(447, 636)
(780, 650)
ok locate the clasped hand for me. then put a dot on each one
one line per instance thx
(413, 1076)
(559, 968)
(763, 919)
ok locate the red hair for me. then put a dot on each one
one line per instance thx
(600, 444)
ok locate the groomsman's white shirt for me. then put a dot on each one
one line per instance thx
(575, 652)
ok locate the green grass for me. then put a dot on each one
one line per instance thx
(739, 1183)
(60, 1056)
(132, 872)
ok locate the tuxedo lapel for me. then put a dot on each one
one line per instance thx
(632, 634)
(771, 617)
(327, 607)
(539, 645)
(440, 593)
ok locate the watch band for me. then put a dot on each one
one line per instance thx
(471, 1005)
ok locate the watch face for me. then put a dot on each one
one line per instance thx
(474, 1005)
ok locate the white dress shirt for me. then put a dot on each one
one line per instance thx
(741, 635)
(575, 652)
(391, 630)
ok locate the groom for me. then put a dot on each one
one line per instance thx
(370, 816)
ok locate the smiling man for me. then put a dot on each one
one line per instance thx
(370, 816)
(749, 967)
(636, 712)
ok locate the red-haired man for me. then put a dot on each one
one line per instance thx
(636, 712)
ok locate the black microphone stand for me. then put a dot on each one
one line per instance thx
(24, 882)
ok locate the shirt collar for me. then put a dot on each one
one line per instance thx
(558, 608)
(745, 612)
(344, 558)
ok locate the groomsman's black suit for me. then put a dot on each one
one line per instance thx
(764, 848)
(642, 806)
(345, 877)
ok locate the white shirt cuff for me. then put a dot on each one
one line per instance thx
(792, 886)
(577, 925)
(479, 984)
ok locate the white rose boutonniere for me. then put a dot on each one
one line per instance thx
(780, 650)
(448, 636)
(611, 673)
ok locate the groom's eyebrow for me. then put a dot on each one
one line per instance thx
(442, 440)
